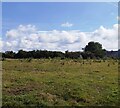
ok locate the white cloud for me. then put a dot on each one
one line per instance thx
(67, 24)
(118, 18)
(1, 43)
(27, 37)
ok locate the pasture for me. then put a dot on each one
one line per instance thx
(56, 82)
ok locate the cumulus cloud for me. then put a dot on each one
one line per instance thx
(28, 37)
(67, 24)
(118, 18)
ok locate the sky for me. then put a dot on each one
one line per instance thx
(60, 0)
(58, 26)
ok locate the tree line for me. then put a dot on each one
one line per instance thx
(92, 50)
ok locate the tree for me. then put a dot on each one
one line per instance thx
(95, 48)
(21, 54)
(9, 54)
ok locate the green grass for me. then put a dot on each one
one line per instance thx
(55, 82)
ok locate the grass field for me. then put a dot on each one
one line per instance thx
(55, 82)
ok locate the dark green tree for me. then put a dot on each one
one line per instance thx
(21, 54)
(9, 54)
(95, 48)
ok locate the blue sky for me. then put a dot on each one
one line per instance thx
(60, 0)
(60, 16)
(47, 16)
